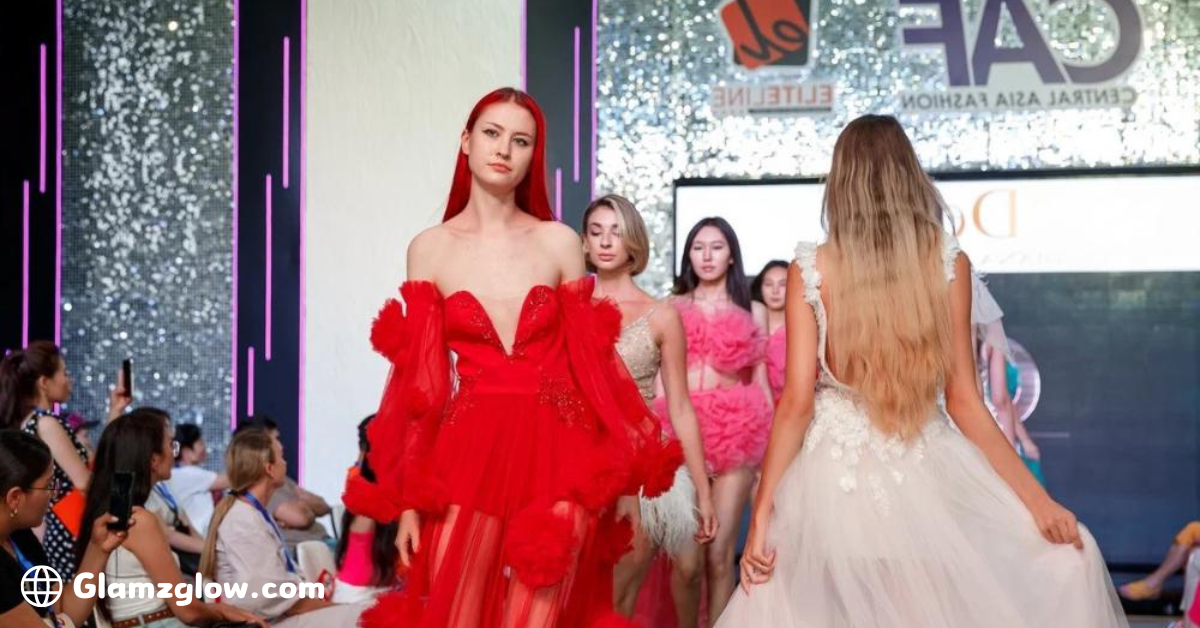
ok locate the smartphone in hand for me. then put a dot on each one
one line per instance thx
(120, 500)
(127, 375)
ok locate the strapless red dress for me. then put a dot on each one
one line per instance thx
(513, 457)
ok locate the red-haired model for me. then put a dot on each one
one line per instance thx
(505, 466)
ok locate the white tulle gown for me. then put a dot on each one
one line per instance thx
(872, 532)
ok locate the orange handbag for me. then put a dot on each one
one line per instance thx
(69, 511)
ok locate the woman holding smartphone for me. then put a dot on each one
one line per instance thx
(33, 382)
(27, 485)
(139, 448)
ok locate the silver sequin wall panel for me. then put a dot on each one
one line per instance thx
(147, 259)
(658, 61)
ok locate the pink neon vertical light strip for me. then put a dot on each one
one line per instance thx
(595, 62)
(558, 193)
(58, 143)
(303, 191)
(233, 397)
(249, 381)
(287, 107)
(576, 117)
(25, 264)
(525, 45)
(42, 112)
(269, 246)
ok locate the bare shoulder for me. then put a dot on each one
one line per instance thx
(564, 246)
(962, 265)
(147, 529)
(759, 312)
(675, 301)
(424, 251)
(144, 516)
(49, 423)
(49, 429)
(959, 275)
(428, 240)
(665, 318)
(555, 234)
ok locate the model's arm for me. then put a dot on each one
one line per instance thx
(793, 415)
(673, 376)
(966, 407)
(760, 376)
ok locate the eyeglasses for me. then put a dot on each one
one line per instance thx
(55, 487)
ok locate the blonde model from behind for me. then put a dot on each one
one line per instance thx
(873, 509)
(653, 345)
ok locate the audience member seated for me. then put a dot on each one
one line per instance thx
(184, 539)
(140, 443)
(191, 484)
(245, 545)
(295, 509)
(26, 485)
(32, 382)
(366, 552)
(1151, 586)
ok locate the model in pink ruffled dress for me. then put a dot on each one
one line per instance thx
(770, 289)
(727, 379)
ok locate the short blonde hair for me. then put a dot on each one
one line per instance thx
(633, 230)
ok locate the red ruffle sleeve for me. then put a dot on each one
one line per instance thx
(414, 398)
(638, 458)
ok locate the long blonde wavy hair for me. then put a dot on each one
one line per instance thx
(889, 320)
(246, 460)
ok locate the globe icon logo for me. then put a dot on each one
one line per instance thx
(41, 586)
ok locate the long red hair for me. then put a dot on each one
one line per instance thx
(531, 192)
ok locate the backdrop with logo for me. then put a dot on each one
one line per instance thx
(753, 89)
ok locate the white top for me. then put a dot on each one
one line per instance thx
(125, 568)
(986, 316)
(191, 486)
(157, 505)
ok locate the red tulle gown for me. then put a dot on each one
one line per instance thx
(514, 458)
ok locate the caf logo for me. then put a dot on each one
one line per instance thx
(769, 33)
(41, 586)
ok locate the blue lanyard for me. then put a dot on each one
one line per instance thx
(25, 567)
(25, 564)
(291, 566)
(165, 493)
